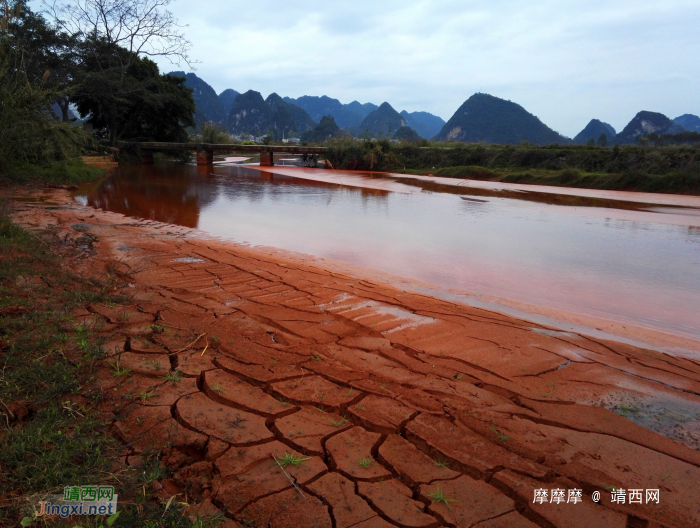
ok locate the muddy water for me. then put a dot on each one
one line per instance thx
(601, 256)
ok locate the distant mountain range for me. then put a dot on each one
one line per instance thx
(251, 114)
(594, 131)
(645, 123)
(482, 117)
(689, 121)
(426, 125)
(349, 115)
(209, 107)
(486, 118)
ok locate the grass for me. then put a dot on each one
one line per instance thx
(52, 434)
(501, 437)
(439, 497)
(338, 423)
(667, 169)
(118, 370)
(290, 459)
(72, 172)
(217, 388)
(173, 375)
(441, 463)
(366, 462)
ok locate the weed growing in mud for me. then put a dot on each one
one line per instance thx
(359, 408)
(290, 459)
(441, 463)
(174, 375)
(337, 423)
(439, 496)
(316, 358)
(500, 435)
(366, 462)
(53, 433)
(143, 395)
(118, 370)
(217, 388)
(284, 402)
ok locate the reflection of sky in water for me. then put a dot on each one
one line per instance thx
(589, 260)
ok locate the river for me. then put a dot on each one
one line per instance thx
(600, 257)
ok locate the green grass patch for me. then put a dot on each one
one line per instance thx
(471, 172)
(51, 433)
(72, 172)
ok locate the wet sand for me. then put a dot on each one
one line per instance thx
(387, 394)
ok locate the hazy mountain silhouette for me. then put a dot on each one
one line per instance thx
(689, 121)
(349, 115)
(326, 129)
(425, 124)
(645, 123)
(227, 97)
(483, 117)
(208, 105)
(382, 122)
(594, 129)
(251, 114)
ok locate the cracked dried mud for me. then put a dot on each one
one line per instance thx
(373, 397)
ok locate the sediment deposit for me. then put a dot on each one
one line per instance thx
(385, 399)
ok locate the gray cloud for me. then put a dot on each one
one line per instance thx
(566, 62)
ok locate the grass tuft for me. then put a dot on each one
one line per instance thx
(290, 459)
(439, 496)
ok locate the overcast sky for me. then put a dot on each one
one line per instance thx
(565, 61)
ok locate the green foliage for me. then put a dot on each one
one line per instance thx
(212, 133)
(669, 169)
(366, 462)
(325, 130)
(367, 154)
(439, 496)
(29, 133)
(408, 135)
(125, 95)
(290, 459)
(471, 172)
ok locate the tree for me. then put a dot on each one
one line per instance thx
(28, 134)
(39, 48)
(603, 140)
(115, 39)
(137, 104)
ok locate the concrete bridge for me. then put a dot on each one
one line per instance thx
(205, 151)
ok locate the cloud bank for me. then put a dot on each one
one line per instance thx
(566, 62)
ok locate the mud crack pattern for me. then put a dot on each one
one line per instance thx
(377, 401)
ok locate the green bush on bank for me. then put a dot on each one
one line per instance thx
(668, 169)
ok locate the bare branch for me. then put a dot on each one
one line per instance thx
(145, 27)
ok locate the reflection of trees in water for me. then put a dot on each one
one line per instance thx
(170, 193)
(176, 193)
(255, 185)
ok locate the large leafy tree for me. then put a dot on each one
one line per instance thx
(119, 87)
(136, 103)
(44, 54)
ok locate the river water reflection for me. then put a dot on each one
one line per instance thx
(635, 264)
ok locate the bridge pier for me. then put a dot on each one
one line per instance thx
(147, 157)
(266, 159)
(205, 157)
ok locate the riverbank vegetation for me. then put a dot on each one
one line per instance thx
(91, 57)
(663, 169)
(54, 429)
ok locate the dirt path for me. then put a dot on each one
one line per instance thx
(398, 409)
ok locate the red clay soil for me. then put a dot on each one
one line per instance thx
(395, 409)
